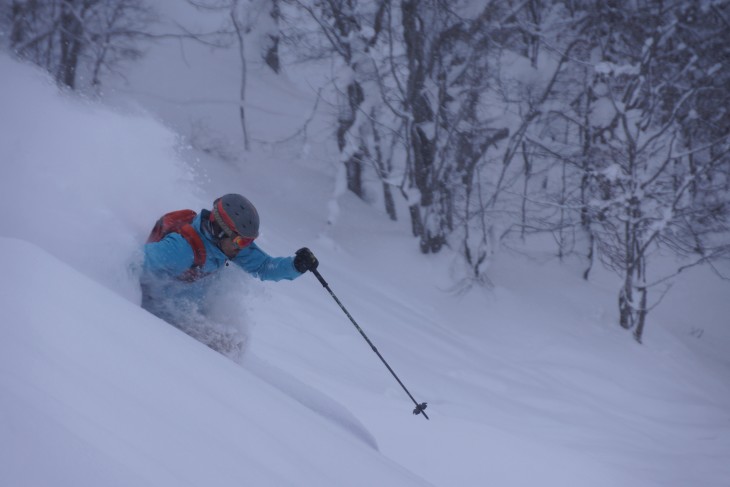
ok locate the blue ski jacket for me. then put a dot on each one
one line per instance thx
(167, 294)
(172, 256)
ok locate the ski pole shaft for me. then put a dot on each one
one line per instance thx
(420, 408)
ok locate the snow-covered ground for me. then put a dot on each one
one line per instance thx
(529, 383)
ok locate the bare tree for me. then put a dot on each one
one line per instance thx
(239, 20)
(351, 28)
(78, 40)
(656, 179)
(240, 32)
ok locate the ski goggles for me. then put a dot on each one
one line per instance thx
(242, 242)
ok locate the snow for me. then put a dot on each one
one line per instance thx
(612, 69)
(106, 405)
(529, 383)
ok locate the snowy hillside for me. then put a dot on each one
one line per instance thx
(529, 383)
(97, 392)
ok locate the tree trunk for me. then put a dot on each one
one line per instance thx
(18, 23)
(71, 45)
(384, 171)
(641, 315)
(389, 201)
(348, 115)
(242, 54)
(271, 54)
(416, 221)
(527, 173)
(353, 167)
(625, 302)
(421, 147)
(641, 289)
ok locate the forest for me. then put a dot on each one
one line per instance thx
(602, 126)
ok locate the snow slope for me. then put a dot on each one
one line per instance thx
(98, 398)
(530, 383)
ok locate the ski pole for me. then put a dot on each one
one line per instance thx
(420, 408)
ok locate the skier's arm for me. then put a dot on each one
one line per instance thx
(260, 264)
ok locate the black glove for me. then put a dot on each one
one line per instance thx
(305, 260)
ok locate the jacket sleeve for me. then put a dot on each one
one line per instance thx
(260, 264)
(171, 256)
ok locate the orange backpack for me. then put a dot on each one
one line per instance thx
(180, 221)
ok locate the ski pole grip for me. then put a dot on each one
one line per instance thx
(320, 278)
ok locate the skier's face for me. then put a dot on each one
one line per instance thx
(242, 242)
(231, 246)
(228, 247)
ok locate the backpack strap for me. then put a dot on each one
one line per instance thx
(196, 243)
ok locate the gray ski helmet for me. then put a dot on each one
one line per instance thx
(236, 216)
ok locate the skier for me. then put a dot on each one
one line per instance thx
(186, 250)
